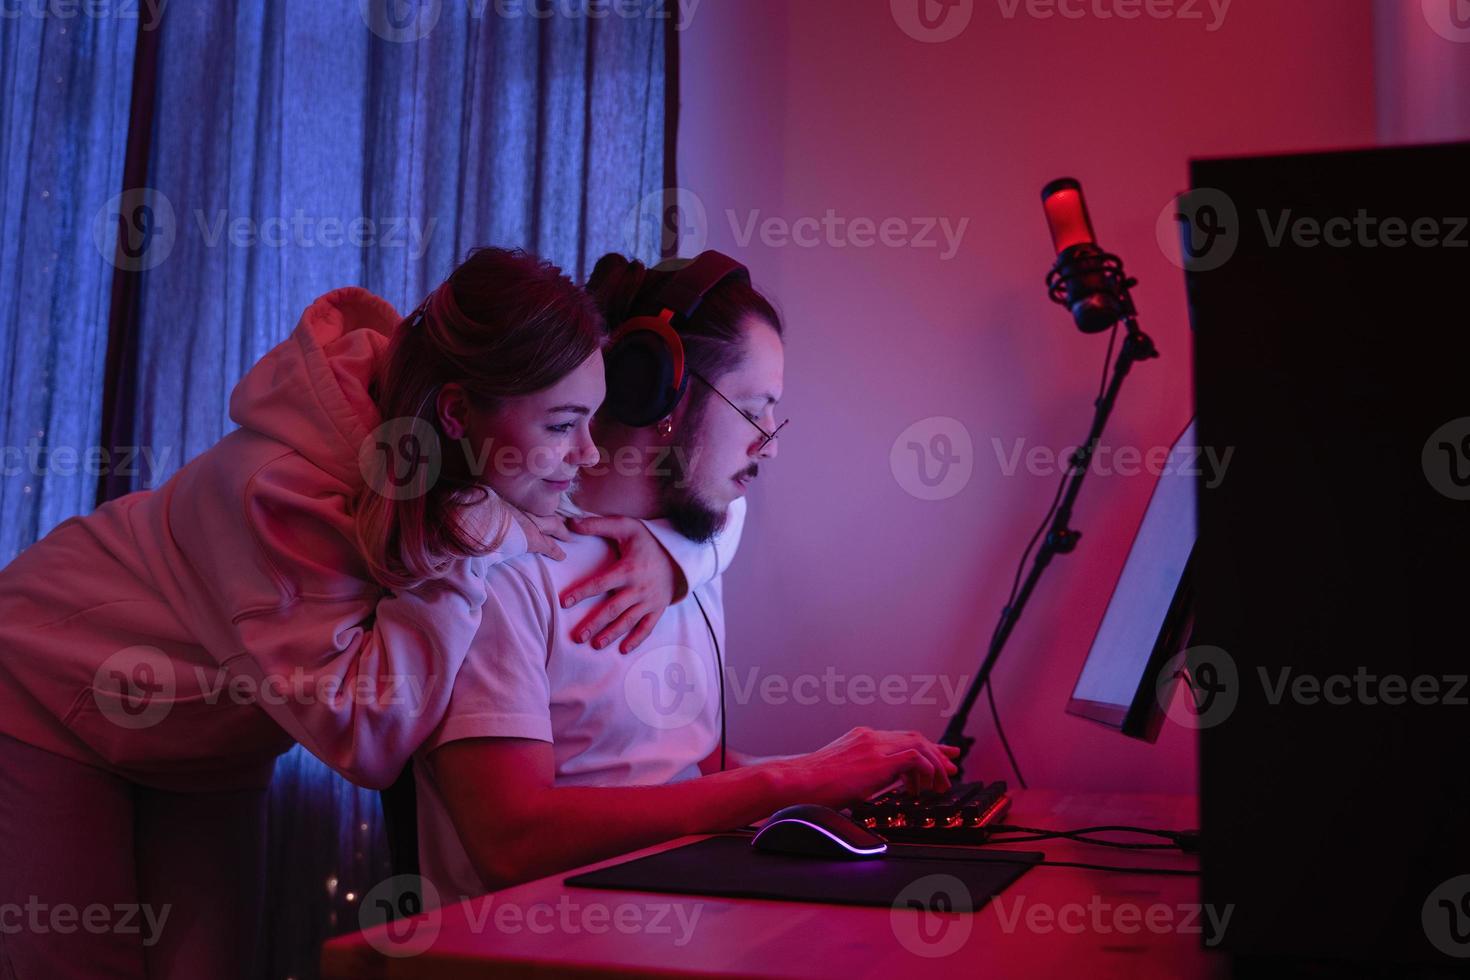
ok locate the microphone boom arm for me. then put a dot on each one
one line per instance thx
(1060, 538)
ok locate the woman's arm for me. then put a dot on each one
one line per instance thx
(276, 592)
(516, 825)
(653, 570)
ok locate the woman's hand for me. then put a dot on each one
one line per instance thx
(542, 533)
(640, 584)
(865, 762)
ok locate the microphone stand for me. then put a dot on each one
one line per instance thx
(1060, 538)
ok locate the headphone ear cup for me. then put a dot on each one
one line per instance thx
(644, 382)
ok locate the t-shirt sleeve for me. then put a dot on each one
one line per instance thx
(701, 562)
(503, 690)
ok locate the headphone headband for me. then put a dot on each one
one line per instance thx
(686, 288)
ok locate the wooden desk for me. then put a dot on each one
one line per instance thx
(1053, 922)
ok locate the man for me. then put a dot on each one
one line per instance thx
(553, 755)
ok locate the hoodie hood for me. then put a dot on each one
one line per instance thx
(312, 391)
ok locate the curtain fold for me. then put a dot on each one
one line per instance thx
(63, 129)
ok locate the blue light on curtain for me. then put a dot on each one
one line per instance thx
(296, 151)
(63, 130)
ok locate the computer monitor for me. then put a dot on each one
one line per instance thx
(1147, 619)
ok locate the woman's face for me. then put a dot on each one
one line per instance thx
(529, 449)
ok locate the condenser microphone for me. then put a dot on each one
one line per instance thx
(1085, 279)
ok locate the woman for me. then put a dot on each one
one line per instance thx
(314, 577)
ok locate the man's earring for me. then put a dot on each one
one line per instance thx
(666, 426)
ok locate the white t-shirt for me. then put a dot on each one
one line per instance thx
(615, 719)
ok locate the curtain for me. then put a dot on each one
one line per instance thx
(1422, 70)
(297, 151)
(63, 128)
(295, 147)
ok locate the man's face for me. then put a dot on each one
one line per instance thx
(722, 450)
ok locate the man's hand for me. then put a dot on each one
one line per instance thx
(640, 584)
(542, 533)
(864, 762)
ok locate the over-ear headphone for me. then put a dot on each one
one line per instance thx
(644, 359)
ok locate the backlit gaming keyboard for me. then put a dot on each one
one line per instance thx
(963, 814)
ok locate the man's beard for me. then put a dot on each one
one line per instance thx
(691, 517)
(678, 502)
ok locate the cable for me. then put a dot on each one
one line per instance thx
(720, 669)
(1182, 872)
(1183, 840)
(1007, 828)
(1121, 845)
(994, 857)
(1004, 742)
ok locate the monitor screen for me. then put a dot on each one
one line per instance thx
(1146, 616)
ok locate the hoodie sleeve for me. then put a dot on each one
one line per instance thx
(702, 561)
(356, 673)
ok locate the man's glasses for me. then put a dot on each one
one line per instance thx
(766, 437)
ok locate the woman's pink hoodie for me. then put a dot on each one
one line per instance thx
(185, 636)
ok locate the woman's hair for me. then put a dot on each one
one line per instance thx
(505, 323)
(711, 337)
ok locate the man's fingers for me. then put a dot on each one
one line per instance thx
(932, 753)
(940, 766)
(917, 765)
(941, 762)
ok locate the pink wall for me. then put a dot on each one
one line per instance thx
(794, 108)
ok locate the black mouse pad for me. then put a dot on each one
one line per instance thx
(728, 866)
